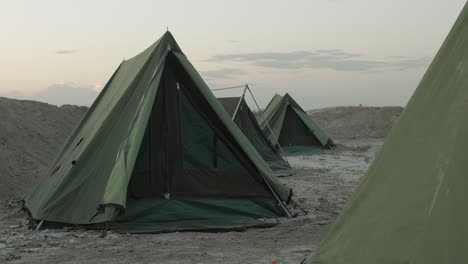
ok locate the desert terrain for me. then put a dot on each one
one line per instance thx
(31, 132)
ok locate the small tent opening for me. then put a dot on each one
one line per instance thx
(295, 132)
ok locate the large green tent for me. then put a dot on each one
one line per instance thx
(245, 119)
(411, 207)
(292, 128)
(157, 152)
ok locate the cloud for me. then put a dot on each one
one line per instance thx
(335, 59)
(233, 41)
(60, 94)
(67, 93)
(224, 73)
(64, 52)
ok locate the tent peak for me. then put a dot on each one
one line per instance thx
(166, 41)
(167, 33)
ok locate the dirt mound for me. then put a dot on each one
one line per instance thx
(30, 135)
(356, 122)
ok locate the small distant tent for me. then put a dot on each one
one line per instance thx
(156, 152)
(245, 119)
(292, 127)
(411, 207)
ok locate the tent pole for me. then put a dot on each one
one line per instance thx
(268, 125)
(281, 203)
(239, 103)
(227, 88)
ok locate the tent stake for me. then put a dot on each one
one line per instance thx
(39, 225)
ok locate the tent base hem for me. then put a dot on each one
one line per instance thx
(207, 225)
(162, 216)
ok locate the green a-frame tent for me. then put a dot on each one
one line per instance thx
(156, 152)
(411, 206)
(291, 127)
(245, 119)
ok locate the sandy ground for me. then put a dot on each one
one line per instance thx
(322, 185)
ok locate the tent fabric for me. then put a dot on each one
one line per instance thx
(230, 104)
(146, 112)
(411, 205)
(292, 127)
(245, 119)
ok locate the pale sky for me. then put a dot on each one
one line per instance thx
(323, 52)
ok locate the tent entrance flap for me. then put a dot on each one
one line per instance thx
(186, 153)
(160, 150)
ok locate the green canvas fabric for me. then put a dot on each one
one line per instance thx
(88, 180)
(411, 205)
(245, 119)
(275, 115)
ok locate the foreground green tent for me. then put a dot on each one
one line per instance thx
(157, 152)
(411, 206)
(245, 119)
(292, 127)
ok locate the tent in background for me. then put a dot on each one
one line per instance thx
(156, 152)
(292, 127)
(245, 119)
(411, 205)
